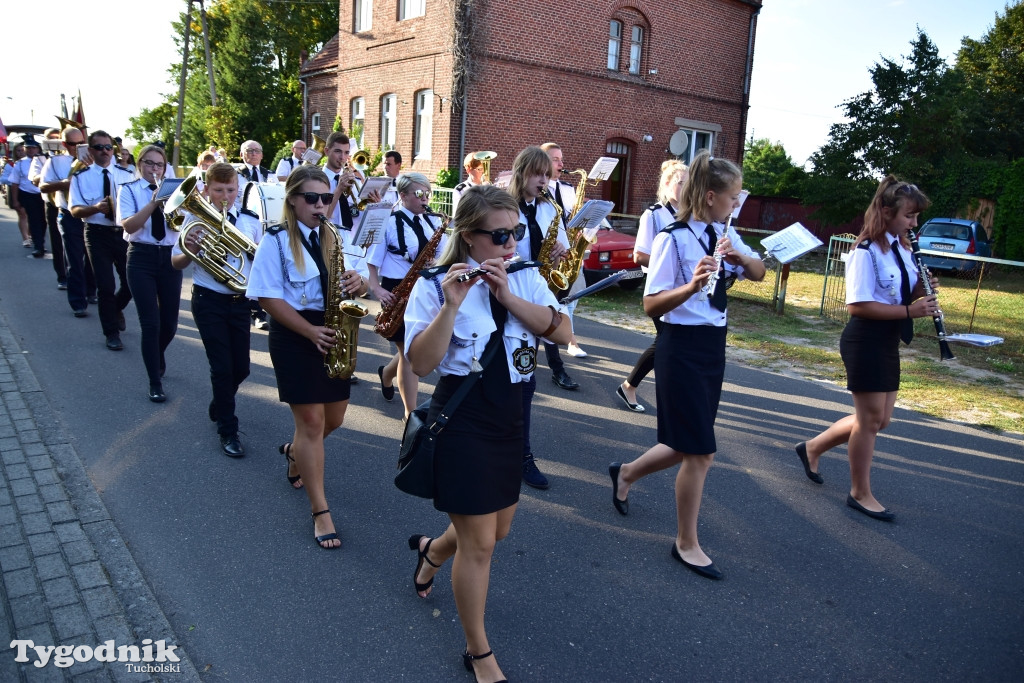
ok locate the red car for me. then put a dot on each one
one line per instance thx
(612, 252)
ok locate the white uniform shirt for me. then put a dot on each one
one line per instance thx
(474, 324)
(275, 275)
(863, 284)
(246, 224)
(652, 221)
(254, 177)
(20, 175)
(460, 190)
(131, 197)
(545, 214)
(57, 169)
(35, 173)
(386, 256)
(287, 165)
(674, 255)
(87, 189)
(563, 193)
(391, 194)
(333, 177)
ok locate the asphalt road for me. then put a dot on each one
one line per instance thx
(813, 590)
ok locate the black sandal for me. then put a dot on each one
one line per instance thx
(320, 540)
(468, 659)
(414, 544)
(286, 450)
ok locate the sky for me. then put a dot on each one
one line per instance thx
(809, 56)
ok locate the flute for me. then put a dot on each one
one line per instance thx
(712, 281)
(945, 353)
(478, 271)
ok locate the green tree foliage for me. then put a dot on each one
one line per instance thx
(768, 170)
(153, 124)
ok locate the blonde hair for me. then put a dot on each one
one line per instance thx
(531, 161)
(670, 171)
(474, 208)
(705, 174)
(407, 180)
(890, 194)
(293, 188)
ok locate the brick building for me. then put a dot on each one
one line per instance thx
(435, 79)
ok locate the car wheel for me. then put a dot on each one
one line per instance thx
(631, 284)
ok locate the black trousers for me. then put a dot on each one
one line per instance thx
(81, 282)
(529, 389)
(33, 203)
(555, 361)
(109, 252)
(156, 287)
(56, 245)
(223, 322)
(645, 363)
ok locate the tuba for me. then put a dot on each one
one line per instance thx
(319, 146)
(485, 158)
(219, 239)
(557, 280)
(341, 315)
(390, 318)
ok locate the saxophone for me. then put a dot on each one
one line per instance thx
(341, 315)
(556, 279)
(390, 317)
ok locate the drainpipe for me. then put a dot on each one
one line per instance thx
(746, 81)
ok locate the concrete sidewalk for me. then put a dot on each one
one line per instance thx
(68, 578)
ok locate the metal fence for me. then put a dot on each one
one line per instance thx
(441, 200)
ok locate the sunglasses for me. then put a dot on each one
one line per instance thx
(422, 194)
(500, 237)
(101, 147)
(312, 197)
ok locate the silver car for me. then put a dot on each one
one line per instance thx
(955, 236)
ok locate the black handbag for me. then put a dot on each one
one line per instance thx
(416, 454)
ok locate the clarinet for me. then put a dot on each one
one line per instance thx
(709, 286)
(940, 325)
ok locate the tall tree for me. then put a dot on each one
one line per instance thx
(768, 170)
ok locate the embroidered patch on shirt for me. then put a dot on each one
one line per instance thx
(525, 359)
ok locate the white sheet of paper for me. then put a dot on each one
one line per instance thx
(372, 222)
(591, 214)
(378, 183)
(603, 168)
(312, 157)
(743, 197)
(790, 244)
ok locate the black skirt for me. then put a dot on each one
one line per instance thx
(689, 367)
(870, 350)
(389, 283)
(299, 366)
(478, 460)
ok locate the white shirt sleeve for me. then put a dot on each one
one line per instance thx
(860, 277)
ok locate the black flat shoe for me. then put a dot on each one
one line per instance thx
(414, 544)
(286, 450)
(114, 343)
(635, 407)
(121, 324)
(564, 381)
(621, 505)
(801, 451)
(884, 515)
(157, 395)
(231, 446)
(708, 571)
(387, 392)
(320, 540)
(468, 659)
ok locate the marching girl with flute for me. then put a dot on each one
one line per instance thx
(450, 326)
(883, 295)
(689, 362)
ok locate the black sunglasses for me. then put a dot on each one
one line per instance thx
(311, 197)
(100, 147)
(500, 237)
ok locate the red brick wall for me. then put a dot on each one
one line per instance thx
(322, 98)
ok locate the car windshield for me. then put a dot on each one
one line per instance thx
(947, 231)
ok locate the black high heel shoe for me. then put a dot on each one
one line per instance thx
(320, 540)
(414, 544)
(285, 449)
(468, 659)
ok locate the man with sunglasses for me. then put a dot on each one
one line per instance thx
(91, 200)
(25, 194)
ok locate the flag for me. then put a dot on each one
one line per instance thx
(63, 106)
(79, 116)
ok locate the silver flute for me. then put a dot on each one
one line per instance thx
(709, 286)
(478, 271)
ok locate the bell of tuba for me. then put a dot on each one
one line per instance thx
(340, 314)
(218, 238)
(485, 158)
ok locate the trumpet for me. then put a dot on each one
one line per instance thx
(478, 271)
(360, 162)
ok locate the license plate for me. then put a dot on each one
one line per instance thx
(942, 246)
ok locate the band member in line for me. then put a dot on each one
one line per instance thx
(51, 208)
(656, 218)
(474, 178)
(93, 199)
(81, 285)
(220, 313)
(290, 278)
(26, 196)
(289, 164)
(17, 154)
(342, 211)
(392, 167)
(155, 284)
(883, 296)
(250, 174)
(477, 456)
(689, 363)
(388, 261)
(531, 172)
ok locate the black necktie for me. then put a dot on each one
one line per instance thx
(495, 391)
(530, 211)
(558, 194)
(346, 211)
(255, 174)
(417, 228)
(157, 225)
(907, 324)
(106, 190)
(318, 258)
(718, 297)
(232, 218)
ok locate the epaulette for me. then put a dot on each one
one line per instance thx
(433, 271)
(249, 212)
(274, 229)
(461, 186)
(82, 170)
(674, 226)
(121, 168)
(654, 207)
(866, 244)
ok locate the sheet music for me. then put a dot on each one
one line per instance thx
(974, 339)
(788, 245)
(591, 214)
(372, 222)
(312, 157)
(742, 198)
(603, 168)
(379, 183)
(503, 180)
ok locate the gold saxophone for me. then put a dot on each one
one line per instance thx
(557, 281)
(341, 315)
(569, 268)
(390, 317)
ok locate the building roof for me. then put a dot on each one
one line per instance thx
(325, 60)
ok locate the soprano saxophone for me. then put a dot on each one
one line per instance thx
(340, 314)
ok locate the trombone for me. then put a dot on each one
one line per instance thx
(360, 161)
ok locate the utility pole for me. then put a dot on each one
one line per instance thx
(209, 59)
(181, 89)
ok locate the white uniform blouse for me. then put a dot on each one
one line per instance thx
(674, 255)
(460, 190)
(652, 221)
(20, 176)
(863, 283)
(474, 324)
(275, 275)
(385, 254)
(250, 227)
(131, 197)
(545, 214)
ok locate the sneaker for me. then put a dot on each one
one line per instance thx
(261, 324)
(62, 286)
(533, 476)
(576, 352)
(93, 299)
(27, 244)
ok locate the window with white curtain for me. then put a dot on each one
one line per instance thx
(634, 49)
(388, 107)
(407, 9)
(316, 123)
(424, 124)
(614, 42)
(358, 125)
(363, 15)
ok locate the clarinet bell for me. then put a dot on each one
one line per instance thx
(945, 353)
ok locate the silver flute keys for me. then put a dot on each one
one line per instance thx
(709, 286)
(478, 271)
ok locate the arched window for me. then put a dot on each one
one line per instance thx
(635, 46)
(614, 44)
(315, 123)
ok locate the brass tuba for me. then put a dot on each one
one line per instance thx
(218, 240)
(340, 314)
(485, 159)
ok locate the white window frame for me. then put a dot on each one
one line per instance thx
(696, 139)
(358, 110)
(614, 44)
(410, 9)
(315, 123)
(363, 13)
(636, 49)
(424, 131)
(388, 120)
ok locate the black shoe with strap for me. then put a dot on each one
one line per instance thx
(414, 544)
(320, 540)
(468, 659)
(286, 450)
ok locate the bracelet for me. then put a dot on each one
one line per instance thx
(908, 311)
(556, 320)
